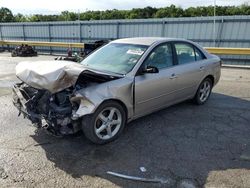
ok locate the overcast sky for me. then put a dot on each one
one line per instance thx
(56, 6)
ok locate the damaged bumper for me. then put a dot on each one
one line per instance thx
(20, 103)
(55, 113)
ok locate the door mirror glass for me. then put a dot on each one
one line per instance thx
(150, 69)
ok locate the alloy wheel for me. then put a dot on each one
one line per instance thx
(204, 91)
(108, 123)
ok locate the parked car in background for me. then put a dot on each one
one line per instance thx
(123, 80)
(79, 56)
(23, 50)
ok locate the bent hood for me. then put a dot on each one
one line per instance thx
(50, 75)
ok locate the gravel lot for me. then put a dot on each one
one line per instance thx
(186, 145)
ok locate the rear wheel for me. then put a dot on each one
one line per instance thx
(106, 124)
(203, 91)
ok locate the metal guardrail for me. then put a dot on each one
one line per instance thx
(228, 51)
(44, 44)
(213, 50)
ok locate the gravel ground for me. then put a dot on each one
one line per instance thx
(184, 145)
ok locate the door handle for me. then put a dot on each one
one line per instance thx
(201, 68)
(173, 76)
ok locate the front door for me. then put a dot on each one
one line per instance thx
(155, 90)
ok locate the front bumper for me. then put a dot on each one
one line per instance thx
(20, 102)
(48, 116)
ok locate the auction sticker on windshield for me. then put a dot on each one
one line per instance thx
(135, 51)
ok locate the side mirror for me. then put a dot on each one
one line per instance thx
(150, 69)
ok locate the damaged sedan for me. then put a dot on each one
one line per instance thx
(119, 82)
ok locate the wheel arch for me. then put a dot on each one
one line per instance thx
(211, 77)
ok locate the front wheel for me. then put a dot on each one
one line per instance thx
(106, 124)
(203, 91)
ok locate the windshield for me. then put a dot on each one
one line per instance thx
(115, 57)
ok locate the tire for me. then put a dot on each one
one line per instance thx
(203, 92)
(102, 127)
(13, 54)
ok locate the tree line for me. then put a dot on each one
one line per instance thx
(137, 13)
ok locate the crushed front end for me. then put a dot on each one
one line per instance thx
(56, 95)
(44, 109)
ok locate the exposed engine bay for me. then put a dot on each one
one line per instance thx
(55, 111)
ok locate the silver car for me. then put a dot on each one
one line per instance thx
(124, 80)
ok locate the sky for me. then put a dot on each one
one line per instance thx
(56, 6)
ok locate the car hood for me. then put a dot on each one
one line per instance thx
(54, 76)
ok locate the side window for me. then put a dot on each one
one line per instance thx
(185, 53)
(161, 57)
(198, 54)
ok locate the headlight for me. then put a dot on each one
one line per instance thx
(84, 106)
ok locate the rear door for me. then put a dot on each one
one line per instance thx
(190, 68)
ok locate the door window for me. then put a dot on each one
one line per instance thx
(185, 53)
(160, 57)
(199, 55)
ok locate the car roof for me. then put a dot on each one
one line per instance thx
(145, 40)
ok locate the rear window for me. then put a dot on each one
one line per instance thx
(187, 53)
(198, 54)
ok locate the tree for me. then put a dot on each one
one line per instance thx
(171, 11)
(68, 16)
(136, 13)
(6, 15)
(20, 18)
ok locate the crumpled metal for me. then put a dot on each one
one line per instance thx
(53, 76)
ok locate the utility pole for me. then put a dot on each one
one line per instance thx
(214, 23)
